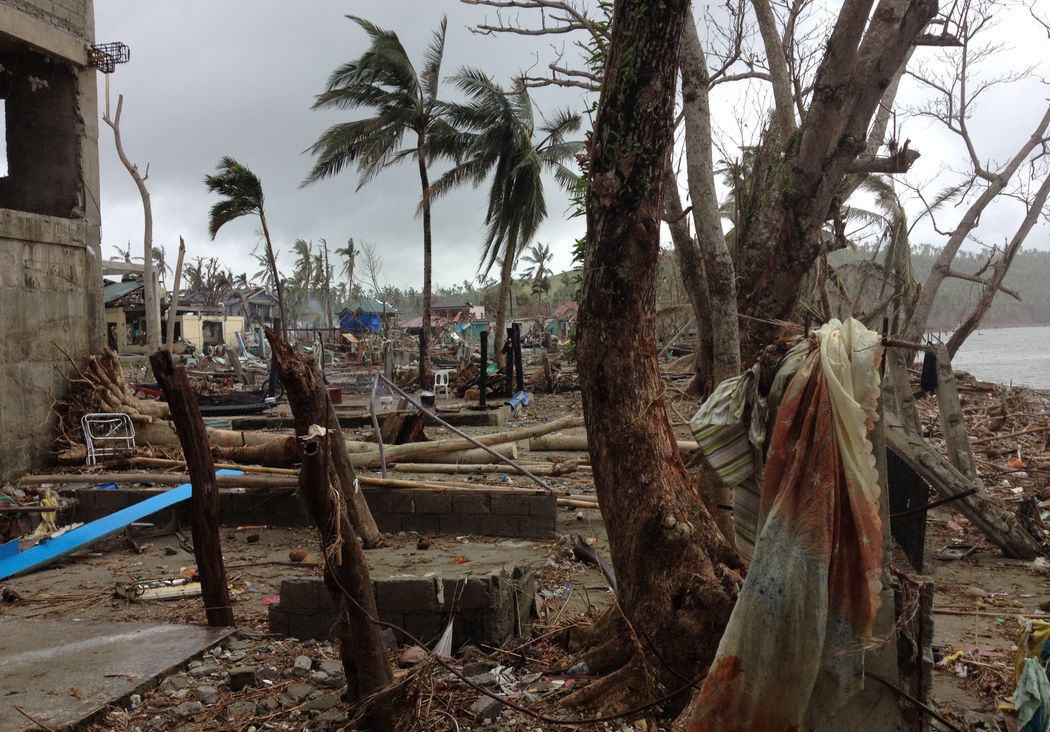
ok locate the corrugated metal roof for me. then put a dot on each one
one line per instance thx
(113, 291)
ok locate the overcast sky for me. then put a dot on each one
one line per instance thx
(208, 79)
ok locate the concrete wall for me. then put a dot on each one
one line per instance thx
(490, 609)
(524, 514)
(50, 281)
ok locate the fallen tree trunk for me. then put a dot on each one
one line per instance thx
(562, 468)
(1001, 530)
(578, 443)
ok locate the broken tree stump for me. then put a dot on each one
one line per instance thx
(207, 547)
(346, 577)
(310, 403)
(1001, 530)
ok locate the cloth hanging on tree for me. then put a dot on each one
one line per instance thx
(793, 650)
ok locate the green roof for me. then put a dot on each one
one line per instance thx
(369, 305)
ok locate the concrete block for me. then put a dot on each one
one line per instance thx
(538, 527)
(470, 593)
(300, 594)
(426, 626)
(406, 593)
(277, 620)
(472, 503)
(391, 523)
(313, 626)
(433, 503)
(544, 505)
(513, 505)
(501, 525)
(424, 523)
(458, 524)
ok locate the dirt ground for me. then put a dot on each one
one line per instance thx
(979, 606)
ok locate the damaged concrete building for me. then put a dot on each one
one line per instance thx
(50, 281)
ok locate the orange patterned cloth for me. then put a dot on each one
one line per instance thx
(793, 650)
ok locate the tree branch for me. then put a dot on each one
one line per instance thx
(974, 278)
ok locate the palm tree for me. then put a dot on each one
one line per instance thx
(349, 254)
(405, 103)
(242, 194)
(501, 137)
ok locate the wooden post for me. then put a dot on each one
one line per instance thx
(207, 548)
(422, 361)
(483, 377)
(361, 647)
(173, 305)
(519, 370)
(508, 362)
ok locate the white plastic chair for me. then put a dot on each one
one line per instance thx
(107, 433)
(441, 380)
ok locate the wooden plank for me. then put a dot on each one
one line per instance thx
(959, 453)
(1001, 530)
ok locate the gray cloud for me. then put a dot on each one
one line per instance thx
(237, 78)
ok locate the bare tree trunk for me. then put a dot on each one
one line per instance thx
(999, 269)
(800, 180)
(272, 261)
(207, 547)
(783, 98)
(700, 169)
(424, 180)
(691, 270)
(149, 290)
(506, 285)
(970, 220)
(676, 573)
(173, 306)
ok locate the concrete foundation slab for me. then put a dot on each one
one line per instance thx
(63, 672)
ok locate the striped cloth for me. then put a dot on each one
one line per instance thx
(721, 432)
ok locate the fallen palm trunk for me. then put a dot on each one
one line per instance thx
(578, 443)
(554, 469)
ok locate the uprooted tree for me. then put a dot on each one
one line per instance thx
(677, 574)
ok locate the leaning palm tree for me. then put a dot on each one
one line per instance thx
(242, 195)
(501, 137)
(404, 103)
(349, 254)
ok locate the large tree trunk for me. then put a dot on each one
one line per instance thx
(506, 284)
(427, 263)
(800, 177)
(676, 574)
(700, 169)
(207, 546)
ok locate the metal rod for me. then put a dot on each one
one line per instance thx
(933, 504)
(503, 459)
(375, 425)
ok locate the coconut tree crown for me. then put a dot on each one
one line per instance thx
(241, 192)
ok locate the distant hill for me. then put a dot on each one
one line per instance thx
(1029, 276)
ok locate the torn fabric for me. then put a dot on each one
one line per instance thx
(793, 650)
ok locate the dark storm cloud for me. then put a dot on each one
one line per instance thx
(208, 79)
(237, 78)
